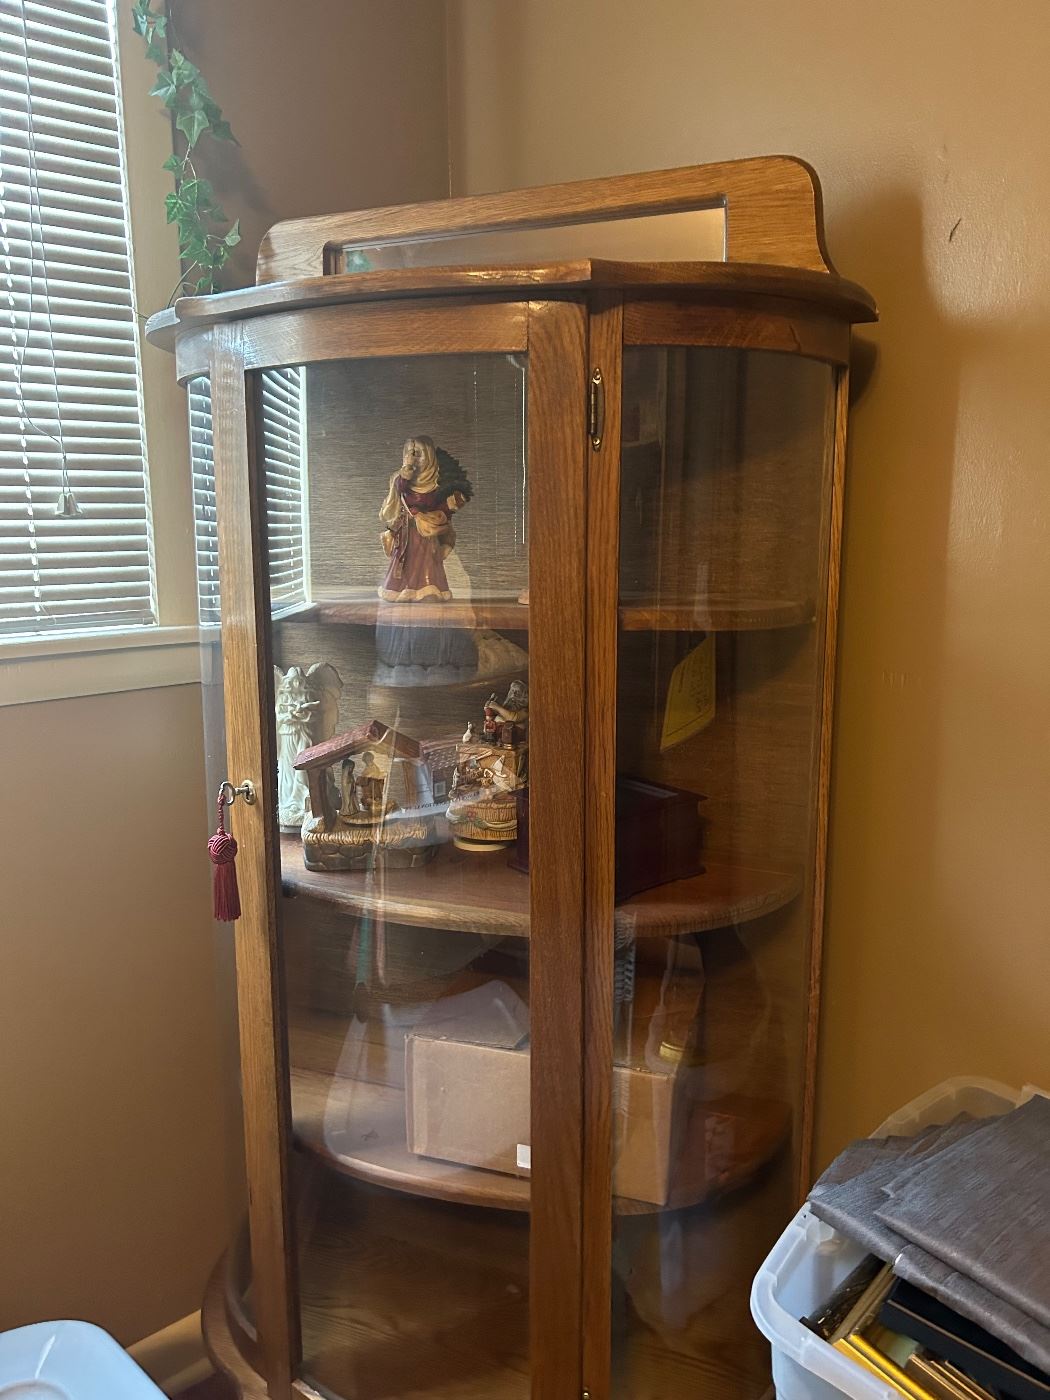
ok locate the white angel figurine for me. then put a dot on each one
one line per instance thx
(307, 705)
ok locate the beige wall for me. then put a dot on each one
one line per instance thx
(118, 1163)
(930, 127)
(336, 106)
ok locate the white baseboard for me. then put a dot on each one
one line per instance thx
(174, 1358)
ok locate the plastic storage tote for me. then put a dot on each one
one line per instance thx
(69, 1361)
(811, 1259)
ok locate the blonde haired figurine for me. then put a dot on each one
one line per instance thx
(424, 493)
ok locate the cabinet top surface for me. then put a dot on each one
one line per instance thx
(725, 283)
(753, 236)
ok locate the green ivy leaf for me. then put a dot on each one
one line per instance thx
(195, 249)
(190, 226)
(194, 124)
(165, 88)
(182, 70)
(220, 127)
(192, 206)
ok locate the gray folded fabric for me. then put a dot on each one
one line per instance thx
(1011, 1325)
(850, 1193)
(852, 1196)
(866, 1152)
(983, 1207)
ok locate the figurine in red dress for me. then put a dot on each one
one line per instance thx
(417, 512)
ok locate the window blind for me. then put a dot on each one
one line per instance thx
(281, 412)
(205, 532)
(281, 394)
(69, 355)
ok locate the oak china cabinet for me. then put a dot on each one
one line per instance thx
(524, 557)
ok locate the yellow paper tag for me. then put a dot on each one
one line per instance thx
(690, 703)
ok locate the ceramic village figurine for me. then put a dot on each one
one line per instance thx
(385, 814)
(425, 492)
(490, 773)
(307, 705)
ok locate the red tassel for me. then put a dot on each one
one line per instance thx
(222, 849)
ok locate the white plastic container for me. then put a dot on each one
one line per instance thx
(69, 1361)
(811, 1259)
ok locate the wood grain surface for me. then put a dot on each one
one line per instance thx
(704, 614)
(749, 287)
(795, 332)
(822, 780)
(482, 894)
(557, 442)
(249, 708)
(603, 619)
(773, 207)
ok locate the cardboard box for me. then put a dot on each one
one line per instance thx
(469, 1103)
(467, 1094)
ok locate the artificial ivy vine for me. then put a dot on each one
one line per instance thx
(203, 247)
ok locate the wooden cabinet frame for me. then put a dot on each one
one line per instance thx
(554, 334)
(570, 320)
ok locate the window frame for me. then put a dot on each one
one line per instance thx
(36, 667)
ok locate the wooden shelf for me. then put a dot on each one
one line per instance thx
(499, 614)
(359, 1130)
(348, 1109)
(714, 615)
(481, 894)
(508, 615)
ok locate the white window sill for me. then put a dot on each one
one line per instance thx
(100, 663)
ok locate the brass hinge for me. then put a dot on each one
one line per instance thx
(596, 413)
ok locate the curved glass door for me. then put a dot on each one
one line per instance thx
(398, 544)
(724, 535)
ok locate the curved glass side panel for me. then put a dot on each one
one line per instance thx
(726, 459)
(397, 520)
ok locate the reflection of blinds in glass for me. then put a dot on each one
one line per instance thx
(281, 400)
(358, 414)
(205, 533)
(281, 405)
(65, 280)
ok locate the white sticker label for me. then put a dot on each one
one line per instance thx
(524, 1156)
